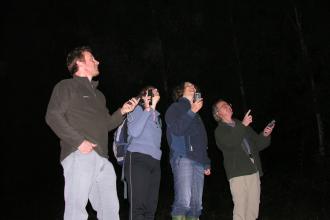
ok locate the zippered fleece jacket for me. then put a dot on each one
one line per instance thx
(236, 161)
(77, 111)
(186, 133)
(144, 129)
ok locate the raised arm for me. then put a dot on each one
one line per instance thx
(178, 120)
(137, 121)
(117, 117)
(230, 138)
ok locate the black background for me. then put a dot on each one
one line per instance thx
(215, 44)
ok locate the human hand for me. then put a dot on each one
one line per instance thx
(268, 130)
(197, 105)
(247, 118)
(86, 147)
(129, 105)
(155, 98)
(207, 172)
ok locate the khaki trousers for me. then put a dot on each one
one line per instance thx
(245, 191)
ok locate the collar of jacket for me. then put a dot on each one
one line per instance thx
(185, 101)
(85, 81)
(227, 124)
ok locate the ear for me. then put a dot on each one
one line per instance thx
(79, 63)
(219, 115)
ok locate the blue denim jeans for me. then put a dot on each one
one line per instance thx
(188, 187)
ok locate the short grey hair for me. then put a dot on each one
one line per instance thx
(215, 110)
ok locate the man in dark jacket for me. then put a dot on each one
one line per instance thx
(78, 115)
(240, 146)
(187, 138)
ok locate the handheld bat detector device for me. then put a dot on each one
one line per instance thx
(197, 96)
(271, 124)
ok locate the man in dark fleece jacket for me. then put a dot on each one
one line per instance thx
(187, 138)
(240, 146)
(78, 115)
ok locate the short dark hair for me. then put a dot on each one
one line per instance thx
(75, 55)
(178, 90)
(143, 91)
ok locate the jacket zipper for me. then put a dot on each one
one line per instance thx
(190, 146)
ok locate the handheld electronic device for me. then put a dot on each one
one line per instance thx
(149, 93)
(271, 124)
(197, 96)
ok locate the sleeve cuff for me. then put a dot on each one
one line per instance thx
(207, 166)
(191, 113)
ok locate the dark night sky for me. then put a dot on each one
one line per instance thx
(211, 43)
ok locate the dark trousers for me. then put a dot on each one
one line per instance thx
(142, 173)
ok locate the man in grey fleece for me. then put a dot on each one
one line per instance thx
(78, 115)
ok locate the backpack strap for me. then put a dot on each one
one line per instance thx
(124, 181)
(129, 141)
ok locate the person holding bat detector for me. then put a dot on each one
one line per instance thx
(240, 146)
(142, 161)
(78, 115)
(187, 139)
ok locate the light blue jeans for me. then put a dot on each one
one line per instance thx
(188, 187)
(89, 176)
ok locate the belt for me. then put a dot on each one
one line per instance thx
(250, 155)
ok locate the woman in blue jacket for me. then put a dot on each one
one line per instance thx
(142, 160)
(187, 138)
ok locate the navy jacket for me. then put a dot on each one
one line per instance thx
(186, 133)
